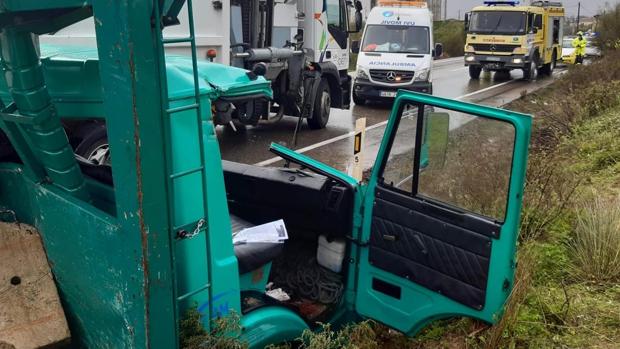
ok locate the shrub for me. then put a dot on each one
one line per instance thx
(224, 335)
(595, 244)
(609, 29)
(451, 34)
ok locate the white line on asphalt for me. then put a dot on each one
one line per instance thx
(461, 68)
(372, 127)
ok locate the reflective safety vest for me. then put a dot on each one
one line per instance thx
(580, 46)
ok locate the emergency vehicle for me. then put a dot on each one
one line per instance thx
(396, 51)
(502, 36)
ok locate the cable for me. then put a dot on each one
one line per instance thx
(301, 274)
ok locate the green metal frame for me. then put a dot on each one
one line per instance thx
(429, 306)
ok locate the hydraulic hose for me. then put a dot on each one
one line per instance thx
(24, 77)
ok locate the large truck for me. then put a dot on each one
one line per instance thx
(502, 36)
(137, 242)
(396, 51)
(301, 46)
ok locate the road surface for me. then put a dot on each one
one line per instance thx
(333, 145)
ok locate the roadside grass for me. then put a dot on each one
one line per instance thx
(451, 34)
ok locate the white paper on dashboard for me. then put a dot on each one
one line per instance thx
(272, 232)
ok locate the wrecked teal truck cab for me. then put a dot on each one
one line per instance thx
(139, 237)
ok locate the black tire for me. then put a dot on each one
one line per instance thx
(95, 147)
(322, 107)
(358, 100)
(530, 73)
(475, 71)
(548, 68)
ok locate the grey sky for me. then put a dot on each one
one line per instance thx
(588, 7)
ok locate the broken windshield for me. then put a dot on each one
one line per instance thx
(396, 39)
(497, 22)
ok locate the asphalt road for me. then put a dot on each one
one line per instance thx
(333, 145)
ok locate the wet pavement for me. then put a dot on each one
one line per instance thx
(334, 144)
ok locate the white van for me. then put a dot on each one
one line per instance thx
(396, 52)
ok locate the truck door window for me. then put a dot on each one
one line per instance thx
(464, 164)
(337, 21)
(538, 22)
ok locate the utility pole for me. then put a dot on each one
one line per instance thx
(578, 14)
(445, 10)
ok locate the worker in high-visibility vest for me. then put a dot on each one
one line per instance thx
(579, 43)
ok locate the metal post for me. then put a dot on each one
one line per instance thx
(578, 14)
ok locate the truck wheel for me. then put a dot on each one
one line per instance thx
(474, 72)
(95, 147)
(358, 100)
(530, 73)
(548, 68)
(322, 107)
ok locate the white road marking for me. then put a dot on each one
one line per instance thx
(372, 127)
(461, 68)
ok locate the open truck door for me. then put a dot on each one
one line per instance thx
(441, 213)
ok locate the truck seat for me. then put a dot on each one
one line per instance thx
(252, 256)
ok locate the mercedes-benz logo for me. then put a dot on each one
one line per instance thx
(493, 47)
(390, 76)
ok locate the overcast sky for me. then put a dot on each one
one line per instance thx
(588, 7)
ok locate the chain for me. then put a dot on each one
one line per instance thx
(184, 234)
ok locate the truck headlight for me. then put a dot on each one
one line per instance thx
(517, 61)
(470, 58)
(422, 75)
(361, 74)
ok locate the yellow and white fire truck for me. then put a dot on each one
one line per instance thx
(502, 36)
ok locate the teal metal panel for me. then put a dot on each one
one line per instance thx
(94, 263)
(429, 306)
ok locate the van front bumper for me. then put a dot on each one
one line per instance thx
(366, 89)
(492, 62)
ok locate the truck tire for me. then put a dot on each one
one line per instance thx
(475, 71)
(95, 147)
(322, 107)
(530, 73)
(358, 100)
(548, 68)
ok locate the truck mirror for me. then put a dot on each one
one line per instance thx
(358, 21)
(358, 6)
(466, 22)
(355, 46)
(438, 50)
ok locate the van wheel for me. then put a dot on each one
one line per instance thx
(358, 100)
(95, 147)
(475, 71)
(322, 107)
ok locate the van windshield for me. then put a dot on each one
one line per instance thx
(396, 39)
(497, 22)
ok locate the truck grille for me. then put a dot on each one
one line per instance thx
(391, 76)
(494, 48)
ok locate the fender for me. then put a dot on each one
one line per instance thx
(340, 88)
